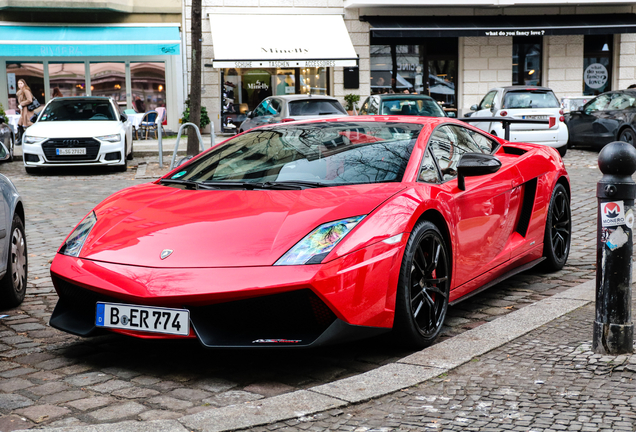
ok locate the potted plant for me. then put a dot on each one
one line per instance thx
(352, 101)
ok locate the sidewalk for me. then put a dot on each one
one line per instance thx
(530, 370)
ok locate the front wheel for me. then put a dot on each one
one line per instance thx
(423, 287)
(628, 136)
(558, 230)
(13, 284)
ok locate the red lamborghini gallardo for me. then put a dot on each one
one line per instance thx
(303, 234)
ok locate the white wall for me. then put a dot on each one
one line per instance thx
(626, 67)
(487, 64)
(565, 65)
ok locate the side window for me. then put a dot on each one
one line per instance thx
(275, 106)
(487, 101)
(621, 101)
(266, 108)
(373, 105)
(428, 170)
(364, 110)
(448, 143)
(485, 144)
(599, 104)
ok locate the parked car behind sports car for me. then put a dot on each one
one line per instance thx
(525, 102)
(277, 109)
(402, 104)
(72, 131)
(609, 117)
(7, 141)
(13, 247)
(307, 233)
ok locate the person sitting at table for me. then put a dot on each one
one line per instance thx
(140, 106)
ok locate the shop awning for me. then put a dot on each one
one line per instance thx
(500, 25)
(265, 41)
(83, 41)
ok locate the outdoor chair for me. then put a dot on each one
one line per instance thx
(149, 123)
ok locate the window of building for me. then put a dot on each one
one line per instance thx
(109, 79)
(32, 74)
(148, 85)
(597, 64)
(69, 78)
(526, 60)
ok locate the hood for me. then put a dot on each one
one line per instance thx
(218, 228)
(73, 129)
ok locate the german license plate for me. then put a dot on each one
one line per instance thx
(535, 117)
(70, 151)
(143, 318)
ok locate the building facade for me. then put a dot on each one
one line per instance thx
(129, 50)
(455, 51)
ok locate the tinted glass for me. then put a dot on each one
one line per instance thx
(315, 108)
(428, 170)
(621, 101)
(77, 109)
(448, 144)
(328, 153)
(267, 107)
(412, 106)
(530, 99)
(601, 103)
(486, 102)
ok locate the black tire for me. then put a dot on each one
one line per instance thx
(627, 135)
(32, 170)
(122, 168)
(558, 230)
(421, 305)
(13, 284)
(563, 150)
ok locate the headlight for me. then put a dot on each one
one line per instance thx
(29, 139)
(75, 241)
(317, 244)
(110, 138)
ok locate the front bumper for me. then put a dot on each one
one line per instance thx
(99, 157)
(310, 305)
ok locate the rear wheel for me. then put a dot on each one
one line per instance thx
(558, 230)
(13, 284)
(563, 150)
(423, 288)
(628, 136)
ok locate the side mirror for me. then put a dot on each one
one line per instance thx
(123, 117)
(474, 107)
(475, 164)
(250, 114)
(451, 114)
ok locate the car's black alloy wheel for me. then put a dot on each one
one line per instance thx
(13, 284)
(558, 230)
(627, 136)
(424, 287)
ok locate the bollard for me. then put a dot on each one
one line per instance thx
(613, 327)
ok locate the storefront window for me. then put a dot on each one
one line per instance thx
(32, 74)
(597, 64)
(526, 60)
(69, 78)
(313, 81)
(148, 82)
(109, 79)
(428, 68)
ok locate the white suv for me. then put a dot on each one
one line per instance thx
(525, 102)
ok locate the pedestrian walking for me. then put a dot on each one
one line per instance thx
(25, 99)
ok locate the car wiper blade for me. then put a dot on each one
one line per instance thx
(189, 183)
(293, 184)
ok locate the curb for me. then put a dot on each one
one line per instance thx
(407, 372)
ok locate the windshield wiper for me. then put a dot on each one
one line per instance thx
(189, 183)
(292, 184)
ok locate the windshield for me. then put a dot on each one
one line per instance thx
(315, 108)
(530, 99)
(77, 109)
(412, 106)
(326, 154)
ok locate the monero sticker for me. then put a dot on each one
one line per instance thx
(612, 213)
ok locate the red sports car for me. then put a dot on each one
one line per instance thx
(303, 234)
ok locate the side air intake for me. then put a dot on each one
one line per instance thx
(529, 194)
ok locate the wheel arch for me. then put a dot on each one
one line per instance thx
(435, 217)
(566, 184)
(622, 128)
(19, 210)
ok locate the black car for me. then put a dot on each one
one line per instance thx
(7, 141)
(609, 117)
(402, 104)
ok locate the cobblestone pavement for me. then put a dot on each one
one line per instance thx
(546, 381)
(50, 378)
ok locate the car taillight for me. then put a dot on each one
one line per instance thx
(561, 111)
(552, 122)
(562, 119)
(503, 113)
(285, 120)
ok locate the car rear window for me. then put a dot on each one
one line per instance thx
(530, 99)
(412, 106)
(73, 110)
(315, 108)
